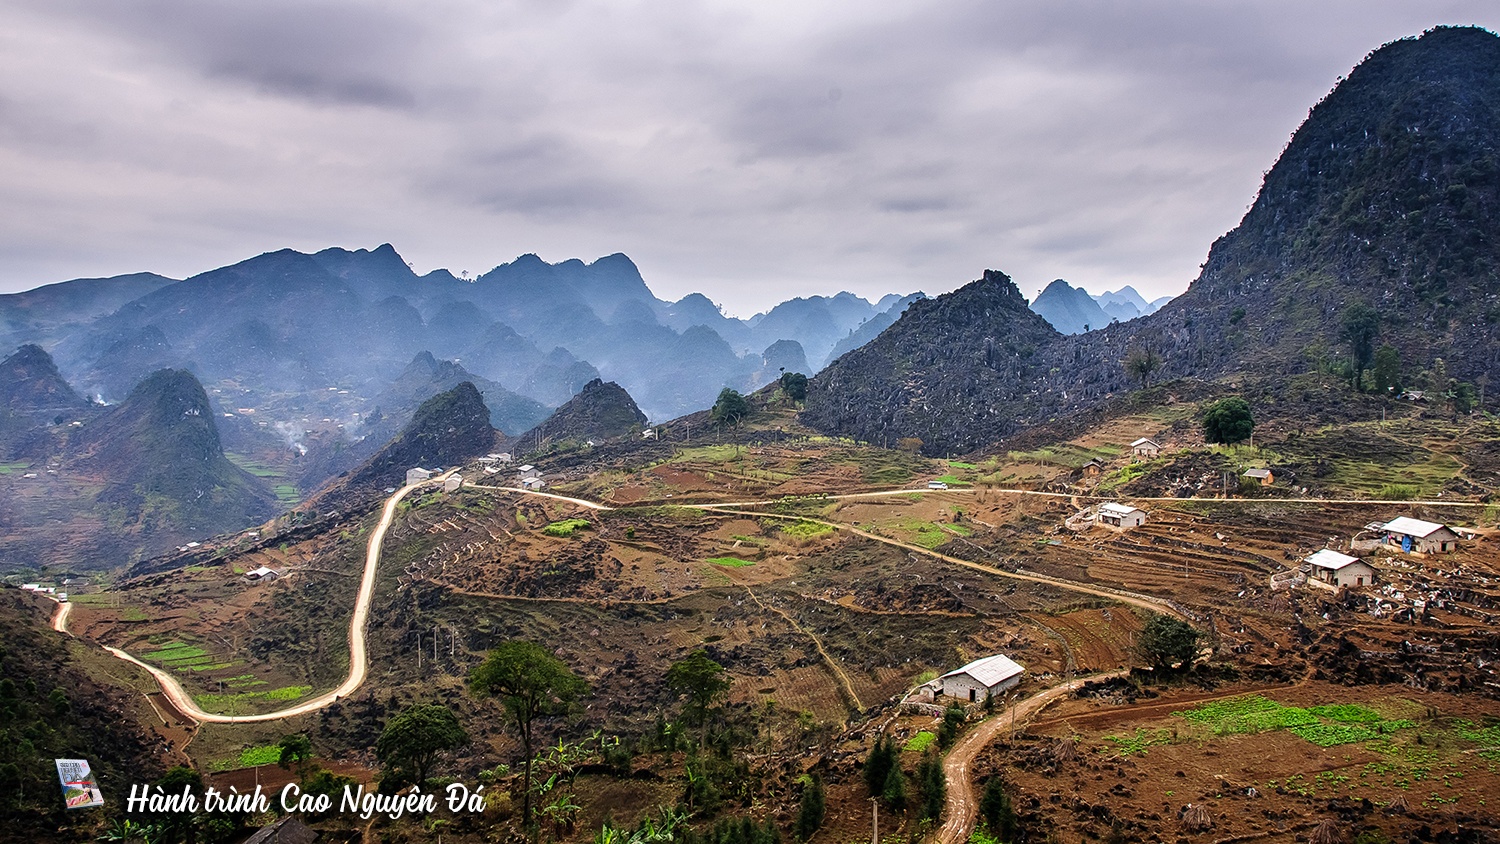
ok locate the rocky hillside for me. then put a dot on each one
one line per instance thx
(446, 430)
(955, 371)
(162, 467)
(29, 381)
(1387, 197)
(51, 708)
(601, 410)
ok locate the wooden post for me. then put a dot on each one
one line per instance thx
(874, 820)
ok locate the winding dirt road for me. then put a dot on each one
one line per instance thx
(962, 806)
(358, 661)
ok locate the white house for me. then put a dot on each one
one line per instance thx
(528, 471)
(262, 573)
(533, 482)
(1335, 569)
(1120, 516)
(1419, 537)
(452, 483)
(980, 679)
(416, 475)
(1145, 449)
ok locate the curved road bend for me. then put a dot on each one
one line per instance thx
(358, 661)
(961, 808)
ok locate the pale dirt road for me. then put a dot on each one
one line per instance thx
(1137, 599)
(962, 806)
(358, 661)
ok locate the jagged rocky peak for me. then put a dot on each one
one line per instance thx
(29, 380)
(446, 430)
(601, 410)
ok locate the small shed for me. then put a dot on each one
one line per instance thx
(1145, 449)
(1120, 516)
(1266, 477)
(417, 475)
(1335, 569)
(1415, 536)
(533, 482)
(1093, 468)
(262, 573)
(981, 679)
(452, 483)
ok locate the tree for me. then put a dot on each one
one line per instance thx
(934, 786)
(794, 384)
(894, 793)
(702, 681)
(953, 719)
(295, 751)
(814, 806)
(1228, 421)
(1140, 363)
(1359, 325)
(412, 741)
(730, 407)
(1386, 372)
(878, 765)
(530, 683)
(1460, 396)
(999, 816)
(1166, 641)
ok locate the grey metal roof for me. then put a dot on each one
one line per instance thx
(1412, 527)
(990, 670)
(1331, 559)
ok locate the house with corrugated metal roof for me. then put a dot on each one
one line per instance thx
(981, 679)
(1415, 536)
(1333, 569)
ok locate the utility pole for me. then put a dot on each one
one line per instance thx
(874, 820)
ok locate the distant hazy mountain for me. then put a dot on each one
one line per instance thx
(890, 309)
(1069, 309)
(1127, 304)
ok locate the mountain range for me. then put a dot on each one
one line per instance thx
(1382, 212)
(1073, 310)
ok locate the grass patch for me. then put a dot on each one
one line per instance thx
(7, 468)
(920, 742)
(177, 653)
(961, 530)
(565, 528)
(731, 562)
(958, 464)
(1347, 713)
(1136, 745)
(286, 493)
(1248, 714)
(287, 693)
(952, 480)
(254, 467)
(805, 530)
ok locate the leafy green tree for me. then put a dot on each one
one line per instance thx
(878, 764)
(934, 786)
(1166, 641)
(530, 683)
(1141, 363)
(412, 741)
(1385, 374)
(1359, 325)
(1228, 420)
(894, 793)
(296, 750)
(730, 407)
(702, 681)
(999, 816)
(1460, 396)
(794, 384)
(813, 809)
(953, 719)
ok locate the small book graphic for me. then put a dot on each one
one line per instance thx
(78, 786)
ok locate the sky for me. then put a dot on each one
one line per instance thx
(750, 151)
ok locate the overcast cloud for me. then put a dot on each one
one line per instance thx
(753, 152)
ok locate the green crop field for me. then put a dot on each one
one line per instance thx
(731, 562)
(565, 528)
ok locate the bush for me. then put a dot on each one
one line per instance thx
(1228, 421)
